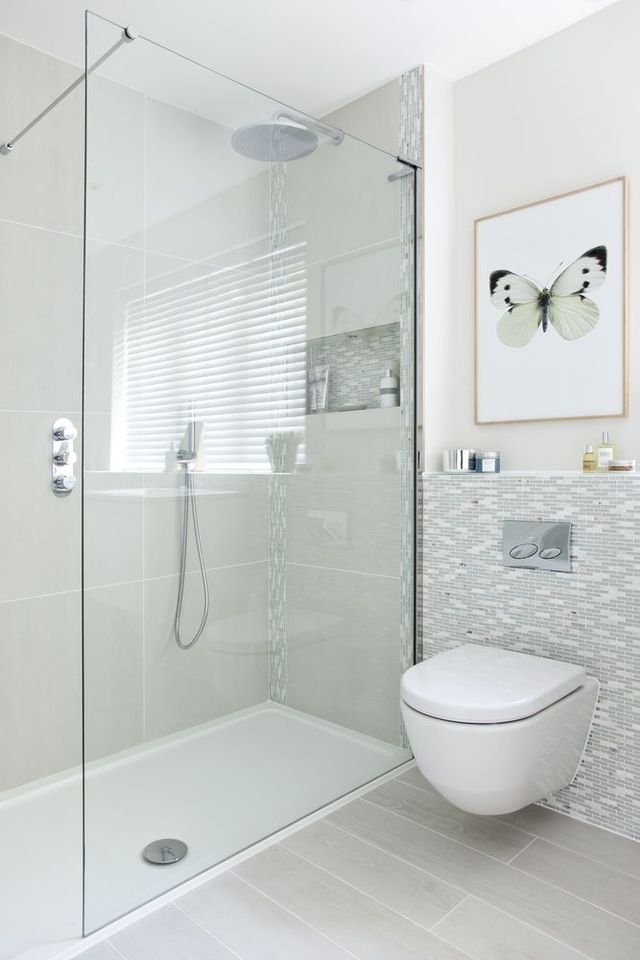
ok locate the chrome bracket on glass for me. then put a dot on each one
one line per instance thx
(63, 456)
(537, 545)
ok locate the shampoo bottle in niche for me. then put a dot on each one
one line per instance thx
(605, 452)
(389, 389)
(589, 460)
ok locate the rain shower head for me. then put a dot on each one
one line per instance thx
(286, 136)
(274, 140)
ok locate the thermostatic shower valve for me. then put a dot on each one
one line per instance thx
(63, 456)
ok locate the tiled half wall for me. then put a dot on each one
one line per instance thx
(590, 617)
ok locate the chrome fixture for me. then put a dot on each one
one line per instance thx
(537, 545)
(287, 136)
(161, 852)
(186, 457)
(128, 34)
(63, 456)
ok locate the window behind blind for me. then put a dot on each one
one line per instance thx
(229, 344)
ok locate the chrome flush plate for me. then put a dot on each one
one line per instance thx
(537, 545)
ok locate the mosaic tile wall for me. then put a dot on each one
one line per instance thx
(590, 617)
(356, 362)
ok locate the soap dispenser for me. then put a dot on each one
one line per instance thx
(389, 389)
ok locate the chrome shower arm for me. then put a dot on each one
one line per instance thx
(128, 34)
(332, 133)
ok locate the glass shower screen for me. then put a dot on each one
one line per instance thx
(248, 490)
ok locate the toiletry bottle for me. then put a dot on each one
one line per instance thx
(605, 453)
(589, 460)
(389, 390)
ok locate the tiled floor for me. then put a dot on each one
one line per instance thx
(401, 875)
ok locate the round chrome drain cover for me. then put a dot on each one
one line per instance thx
(165, 851)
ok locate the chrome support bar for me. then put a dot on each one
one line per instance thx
(128, 34)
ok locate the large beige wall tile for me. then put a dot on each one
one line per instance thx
(41, 284)
(40, 687)
(227, 670)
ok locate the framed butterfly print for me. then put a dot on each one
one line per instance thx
(550, 308)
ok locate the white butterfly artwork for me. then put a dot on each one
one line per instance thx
(563, 304)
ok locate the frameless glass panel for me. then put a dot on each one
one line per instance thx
(248, 503)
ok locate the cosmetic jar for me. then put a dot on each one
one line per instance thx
(488, 461)
(622, 466)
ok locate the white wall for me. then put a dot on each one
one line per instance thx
(559, 115)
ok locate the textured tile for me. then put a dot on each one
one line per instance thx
(394, 883)
(430, 810)
(586, 878)
(168, 934)
(574, 922)
(488, 934)
(253, 925)
(357, 922)
(590, 617)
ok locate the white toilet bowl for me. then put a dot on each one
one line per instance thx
(493, 730)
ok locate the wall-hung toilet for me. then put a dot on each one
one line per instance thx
(494, 730)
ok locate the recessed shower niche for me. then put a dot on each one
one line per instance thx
(352, 364)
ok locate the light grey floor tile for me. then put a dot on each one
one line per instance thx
(102, 951)
(430, 810)
(398, 885)
(361, 925)
(616, 851)
(489, 934)
(414, 777)
(593, 881)
(575, 922)
(168, 934)
(254, 926)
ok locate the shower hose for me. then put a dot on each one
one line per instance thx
(190, 505)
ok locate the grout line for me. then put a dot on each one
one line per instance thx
(466, 894)
(546, 838)
(578, 953)
(113, 947)
(359, 573)
(292, 913)
(353, 886)
(124, 583)
(533, 840)
(445, 836)
(531, 876)
(449, 912)
(396, 856)
(206, 930)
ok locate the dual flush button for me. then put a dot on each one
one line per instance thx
(537, 545)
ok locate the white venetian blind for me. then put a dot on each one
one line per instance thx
(229, 343)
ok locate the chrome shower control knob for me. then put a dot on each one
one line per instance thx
(65, 431)
(64, 484)
(65, 457)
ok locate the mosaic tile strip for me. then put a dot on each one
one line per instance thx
(356, 362)
(590, 616)
(410, 140)
(277, 479)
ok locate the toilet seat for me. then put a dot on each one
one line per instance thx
(478, 684)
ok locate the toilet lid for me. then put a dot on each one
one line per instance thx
(476, 684)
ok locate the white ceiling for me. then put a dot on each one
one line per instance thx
(313, 54)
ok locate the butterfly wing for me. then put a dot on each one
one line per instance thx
(517, 326)
(509, 288)
(574, 316)
(521, 298)
(587, 273)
